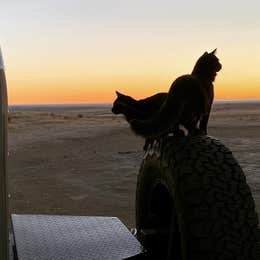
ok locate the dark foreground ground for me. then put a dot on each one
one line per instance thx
(84, 161)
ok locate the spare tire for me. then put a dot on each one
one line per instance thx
(193, 202)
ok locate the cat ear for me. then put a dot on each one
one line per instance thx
(214, 52)
(205, 53)
(118, 93)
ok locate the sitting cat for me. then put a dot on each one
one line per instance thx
(188, 102)
(137, 109)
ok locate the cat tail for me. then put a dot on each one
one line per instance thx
(163, 122)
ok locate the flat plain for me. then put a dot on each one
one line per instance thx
(83, 160)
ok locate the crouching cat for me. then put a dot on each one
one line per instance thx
(188, 102)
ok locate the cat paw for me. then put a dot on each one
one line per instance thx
(197, 131)
(179, 133)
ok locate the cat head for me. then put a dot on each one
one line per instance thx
(207, 65)
(117, 105)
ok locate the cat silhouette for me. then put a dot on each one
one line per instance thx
(137, 109)
(188, 102)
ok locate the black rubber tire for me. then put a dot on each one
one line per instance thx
(194, 187)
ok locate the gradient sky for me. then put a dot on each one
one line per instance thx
(81, 51)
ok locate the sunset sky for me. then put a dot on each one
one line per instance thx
(81, 51)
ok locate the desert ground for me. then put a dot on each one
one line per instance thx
(83, 160)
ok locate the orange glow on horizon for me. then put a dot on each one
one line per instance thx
(96, 82)
(94, 90)
(99, 93)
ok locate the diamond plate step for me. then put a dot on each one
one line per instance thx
(47, 237)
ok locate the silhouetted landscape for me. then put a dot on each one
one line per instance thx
(83, 160)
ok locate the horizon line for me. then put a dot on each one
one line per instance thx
(110, 103)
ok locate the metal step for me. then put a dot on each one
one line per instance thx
(48, 237)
